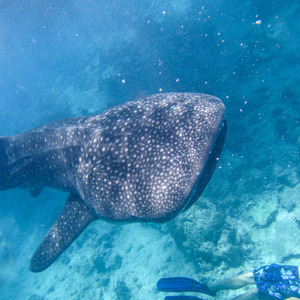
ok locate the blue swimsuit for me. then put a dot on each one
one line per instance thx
(281, 282)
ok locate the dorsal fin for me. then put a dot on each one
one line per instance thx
(73, 219)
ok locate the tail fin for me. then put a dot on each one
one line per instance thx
(3, 165)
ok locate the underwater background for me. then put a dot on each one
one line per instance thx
(61, 59)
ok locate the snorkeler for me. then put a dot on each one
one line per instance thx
(272, 282)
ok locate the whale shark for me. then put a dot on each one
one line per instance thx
(146, 160)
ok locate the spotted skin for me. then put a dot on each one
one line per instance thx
(146, 160)
(72, 221)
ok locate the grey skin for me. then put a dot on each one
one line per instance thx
(143, 161)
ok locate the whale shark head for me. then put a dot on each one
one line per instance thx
(142, 161)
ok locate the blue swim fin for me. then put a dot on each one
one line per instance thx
(182, 284)
(182, 298)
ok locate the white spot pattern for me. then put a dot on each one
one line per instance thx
(140, 161)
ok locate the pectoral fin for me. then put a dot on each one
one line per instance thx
(73, 220)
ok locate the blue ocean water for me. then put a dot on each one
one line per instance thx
(66, 58)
